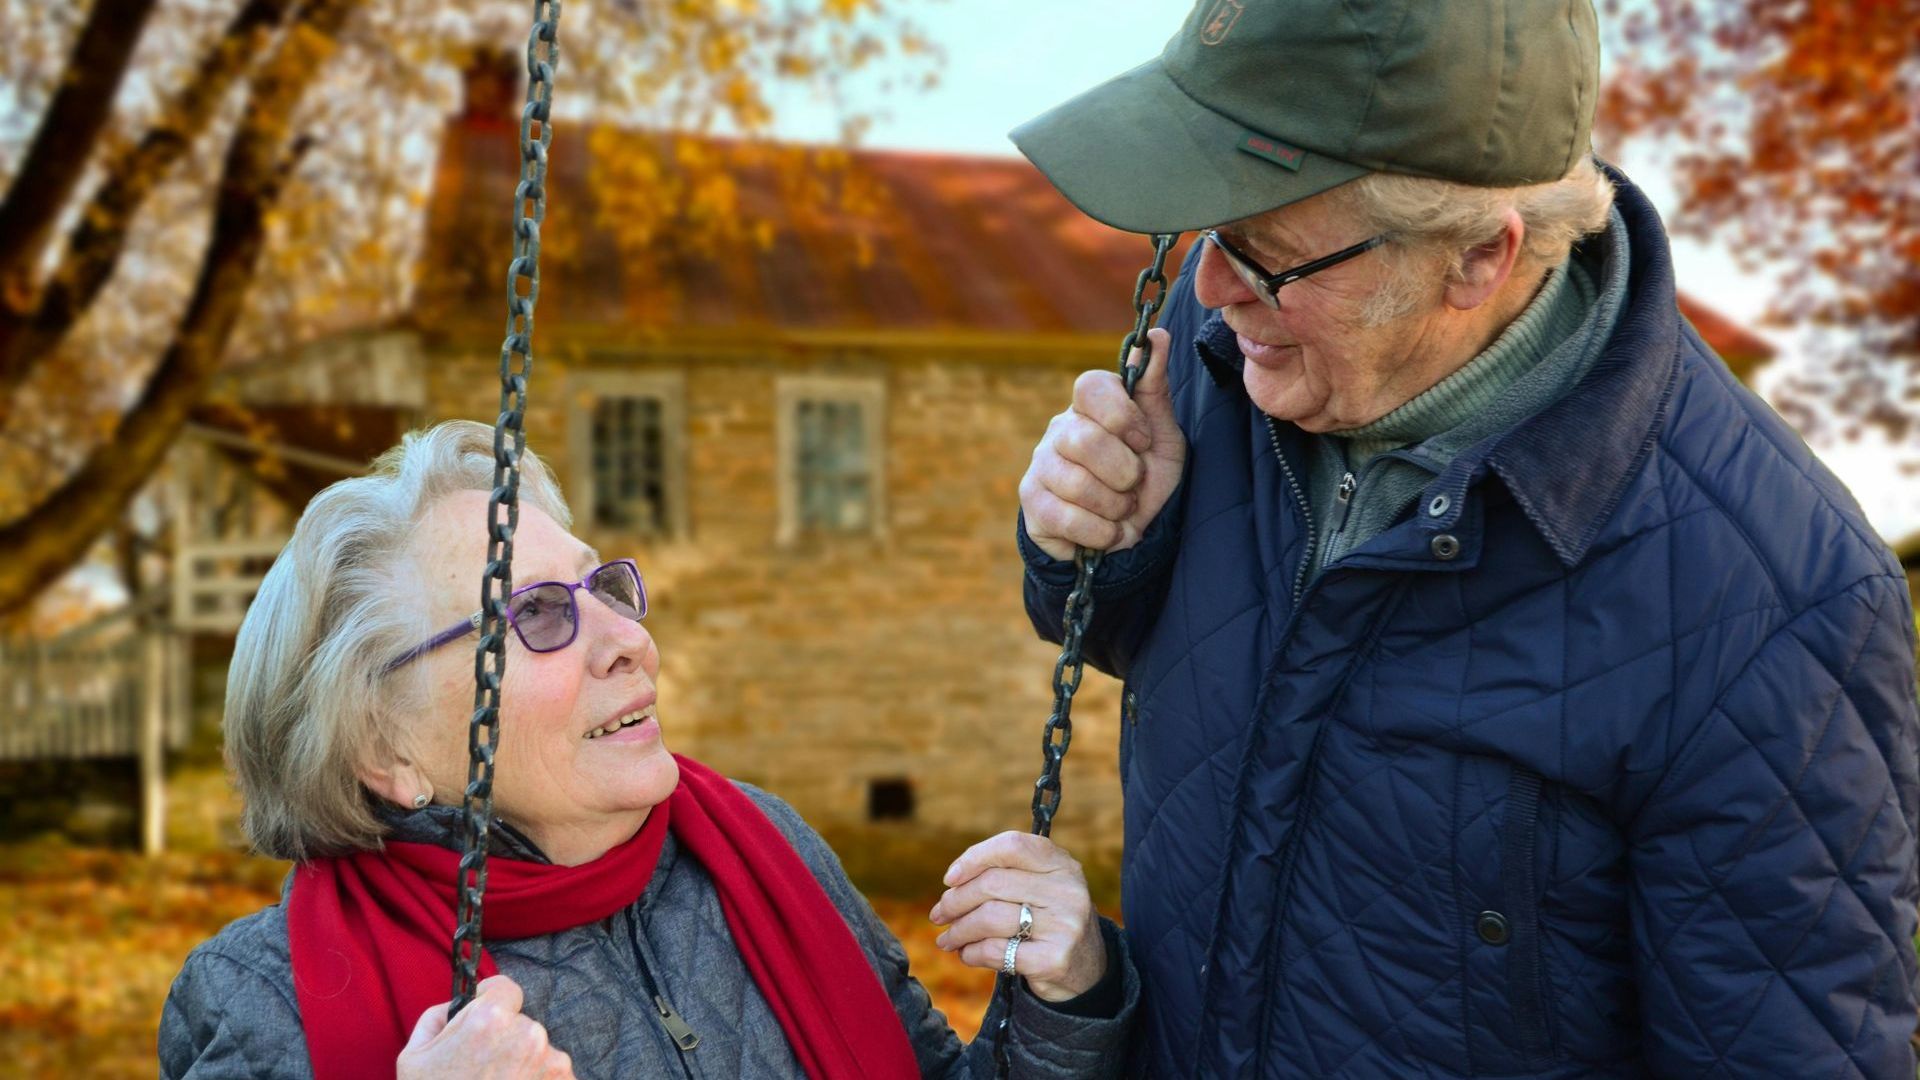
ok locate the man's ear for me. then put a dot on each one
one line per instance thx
(1485, 268)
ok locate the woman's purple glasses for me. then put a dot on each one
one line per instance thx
(546, 614)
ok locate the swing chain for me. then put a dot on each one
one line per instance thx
(509, 444)
(1058, 733)
(1067, 670)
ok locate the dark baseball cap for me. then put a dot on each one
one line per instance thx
(1255, 104)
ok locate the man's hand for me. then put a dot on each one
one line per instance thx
(1065, 956)
(491, 1039)
(1108, 464)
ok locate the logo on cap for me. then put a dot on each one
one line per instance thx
(1220, 20)
(1273, 150)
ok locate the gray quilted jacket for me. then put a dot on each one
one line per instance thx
(232, 1013)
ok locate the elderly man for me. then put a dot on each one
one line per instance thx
(1508, 691)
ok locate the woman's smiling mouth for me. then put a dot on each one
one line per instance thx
(635, 724)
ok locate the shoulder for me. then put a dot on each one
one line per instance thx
(1758, 574)
(1756, 493)
(811, 847)
(820, 860)
(231, 1009)
(253, 949)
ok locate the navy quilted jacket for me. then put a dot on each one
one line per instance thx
(1605, 768)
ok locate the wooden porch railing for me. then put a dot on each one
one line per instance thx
(113, 689)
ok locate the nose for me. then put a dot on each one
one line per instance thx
(615, 643)
(1215, 284)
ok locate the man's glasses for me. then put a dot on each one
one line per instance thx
(1267, 286)
(546, 614)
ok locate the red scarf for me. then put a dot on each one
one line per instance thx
(370, 934)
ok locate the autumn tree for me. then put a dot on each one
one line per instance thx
(1793, 134)
(190, 181)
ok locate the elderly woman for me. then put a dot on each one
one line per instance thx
(645, 916)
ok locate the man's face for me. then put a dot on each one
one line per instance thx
(1316, 362)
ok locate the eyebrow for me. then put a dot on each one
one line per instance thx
(585, 559)
(1283, 252)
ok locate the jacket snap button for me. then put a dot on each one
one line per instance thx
(1445, 546)
(1492, 927)
(1438, 506)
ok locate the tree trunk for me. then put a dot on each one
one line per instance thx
(55, 535)
(93, 250)
(58, 155)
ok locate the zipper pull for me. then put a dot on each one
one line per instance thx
(683, 1035)
(1130, 709)
(1347, 487)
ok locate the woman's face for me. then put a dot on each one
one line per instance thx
(566, 790)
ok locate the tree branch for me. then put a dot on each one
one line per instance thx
(99, 239)
(56, 534)
(58, 154)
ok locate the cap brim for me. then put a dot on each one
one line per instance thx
(1140, 155)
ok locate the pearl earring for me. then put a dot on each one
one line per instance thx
(421, 800)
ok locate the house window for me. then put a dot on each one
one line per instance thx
(833, 475)
(831, 465)
(628, 452)
(629, 464)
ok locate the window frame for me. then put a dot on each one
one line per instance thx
(867, 392)
(586, 390)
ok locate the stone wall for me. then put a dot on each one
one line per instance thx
(818, 666)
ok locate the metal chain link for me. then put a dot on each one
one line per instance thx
(1058, 733)
(509, 444)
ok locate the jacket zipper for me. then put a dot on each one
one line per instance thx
(675, 1025)
(683, 1034)
(1336, 542)
(1280, 647)
(1287, 631)
(1282, 886)
(1300, 500)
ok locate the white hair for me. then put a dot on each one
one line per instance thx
(1435, 222)
(309, 701)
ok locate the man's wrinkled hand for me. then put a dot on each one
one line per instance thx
(1108, 464)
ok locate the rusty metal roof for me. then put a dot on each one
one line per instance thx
(953, 243)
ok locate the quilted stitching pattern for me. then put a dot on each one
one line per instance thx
(1717, 689)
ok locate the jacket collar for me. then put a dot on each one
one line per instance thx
(1568, 465)
(441, 826)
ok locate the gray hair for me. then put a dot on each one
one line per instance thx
(1439, 221)
(308, 698)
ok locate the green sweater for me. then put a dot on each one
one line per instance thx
(1362, 480)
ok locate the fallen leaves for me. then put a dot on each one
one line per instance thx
(94, 938)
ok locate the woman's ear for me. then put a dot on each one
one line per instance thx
(395, 779)
(1486, 267)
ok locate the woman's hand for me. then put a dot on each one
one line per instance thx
(1064, 955)
(491, 1039)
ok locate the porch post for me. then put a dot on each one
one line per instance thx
(157, 674)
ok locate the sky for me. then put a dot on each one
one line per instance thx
(1008, 60)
